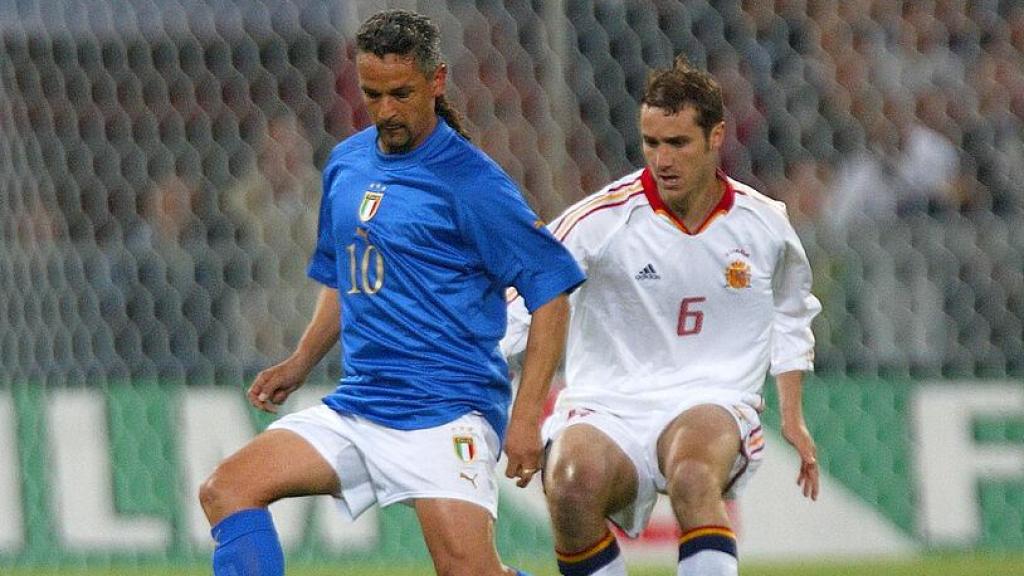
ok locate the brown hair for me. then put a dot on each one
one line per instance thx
(682, 85)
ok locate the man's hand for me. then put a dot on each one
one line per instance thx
(523, 449)
(273, 386)
(800, 438)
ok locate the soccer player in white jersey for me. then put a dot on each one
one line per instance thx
(697, 288)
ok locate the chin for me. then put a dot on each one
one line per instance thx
(398, 147)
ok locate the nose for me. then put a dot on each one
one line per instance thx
(662, 158)
(386, 108)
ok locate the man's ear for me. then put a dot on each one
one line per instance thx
(439, 80)
(717, 136)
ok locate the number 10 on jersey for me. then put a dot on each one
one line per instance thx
(359, 270)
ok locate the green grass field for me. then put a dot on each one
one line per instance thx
(944, 565)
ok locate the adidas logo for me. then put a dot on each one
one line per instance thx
(648, 273)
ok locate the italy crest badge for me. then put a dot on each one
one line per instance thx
(368, 207)
(465, 448)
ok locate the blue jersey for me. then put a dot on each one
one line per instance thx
(421, 247)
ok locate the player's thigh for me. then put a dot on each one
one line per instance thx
(582, 460)
(459, 536)
(276, 464)
(707, 434)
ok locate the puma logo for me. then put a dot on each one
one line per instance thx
(472, 479)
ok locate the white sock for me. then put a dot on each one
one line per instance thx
(709, 563)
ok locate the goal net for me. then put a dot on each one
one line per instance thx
(159, 182)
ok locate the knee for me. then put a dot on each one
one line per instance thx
(577, 485)
(217, 496)
(692, 482)
(211, 493)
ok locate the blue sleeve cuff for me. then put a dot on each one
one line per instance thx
(543, 288)
(322, 274)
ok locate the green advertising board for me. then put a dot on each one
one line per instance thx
(95, 475)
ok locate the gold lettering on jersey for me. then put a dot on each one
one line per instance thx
(361, 280)
(737, 274)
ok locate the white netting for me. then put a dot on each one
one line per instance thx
(159, 162)
(158, 195)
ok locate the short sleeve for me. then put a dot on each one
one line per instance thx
(514, 245)
(519, 317)
(323, 264)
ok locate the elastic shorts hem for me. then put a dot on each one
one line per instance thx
(407, 498)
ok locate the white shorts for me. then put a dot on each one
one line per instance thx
(638, 439)
(377, 464)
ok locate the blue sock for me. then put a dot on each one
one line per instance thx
(247, 545)
(521, 573)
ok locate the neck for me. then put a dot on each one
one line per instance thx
(693, 209)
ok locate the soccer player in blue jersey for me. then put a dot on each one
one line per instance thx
(420, 234)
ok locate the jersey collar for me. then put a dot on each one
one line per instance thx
(658, 205)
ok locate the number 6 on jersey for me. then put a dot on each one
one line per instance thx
(691, 320)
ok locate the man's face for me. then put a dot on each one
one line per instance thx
(400, 99)
(682, 160)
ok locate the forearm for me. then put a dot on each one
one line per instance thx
(790, 388)
(794, 430)
(544, 348)
(322, 331)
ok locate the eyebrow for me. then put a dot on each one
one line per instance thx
(406, 88)
(682, 139)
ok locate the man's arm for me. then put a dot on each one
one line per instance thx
(794, 430)
(544, 348)
(273, 386)
(518, 328)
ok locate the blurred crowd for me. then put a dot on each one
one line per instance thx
(922, 103)
(162, 186)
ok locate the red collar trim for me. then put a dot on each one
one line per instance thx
(658, 205)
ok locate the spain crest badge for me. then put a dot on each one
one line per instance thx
(737, 274)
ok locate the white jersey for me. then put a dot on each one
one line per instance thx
(668, 315)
